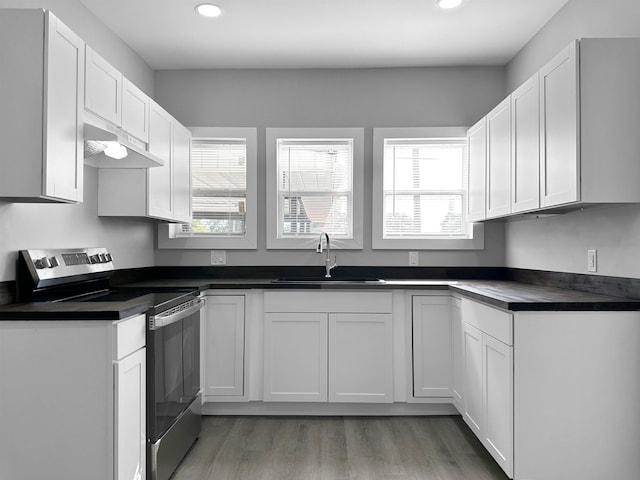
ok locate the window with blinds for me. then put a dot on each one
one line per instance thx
(219, 187)
(424, 188)
(315, 187)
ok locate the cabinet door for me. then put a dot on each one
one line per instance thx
(499, 159)
(432, 346)
(181, 173)
(458, 357)
(525, 125)
(160, 179)
(559, 154)
(130, 410)
(103, 92)
(64, 89)
(224, 346)
(477, 157)
(295, 357)
(135, 111)
(360, 358)
(473, 397)
(497, 435)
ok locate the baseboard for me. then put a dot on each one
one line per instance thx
(328, 409)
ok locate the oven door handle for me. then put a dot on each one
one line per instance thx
(175, 314)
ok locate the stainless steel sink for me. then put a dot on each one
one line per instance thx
(331, 280)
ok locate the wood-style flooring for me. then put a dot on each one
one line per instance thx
(337, 448)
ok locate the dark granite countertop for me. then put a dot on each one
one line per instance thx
(76, 310)
(517, 296)
(508, 295)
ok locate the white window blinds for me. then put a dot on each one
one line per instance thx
(424, 188)
(315, 187)
(219, 187)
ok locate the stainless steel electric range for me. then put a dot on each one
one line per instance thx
(173, 340)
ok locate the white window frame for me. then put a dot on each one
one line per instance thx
(167, 233)
(303, 243)
(475, 238)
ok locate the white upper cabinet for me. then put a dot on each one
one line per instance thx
(181, 190)
(499, 159)
(135, 111)
(160, 179)
(572, 137)
(560, 164)
(477, 158)
(161, 193)
(609, 120)
(42, 78)
(103, 93)
(525, 129)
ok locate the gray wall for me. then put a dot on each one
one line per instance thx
(399, 97)
(560, 243)
(60, 225)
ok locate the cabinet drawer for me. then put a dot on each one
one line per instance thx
(130, 335)
(328, 302)
(492, 321)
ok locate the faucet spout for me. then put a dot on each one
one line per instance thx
(327, 261)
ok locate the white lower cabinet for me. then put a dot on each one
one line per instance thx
(295, 357)
(360, 358)
(130, 411)
(223, 351)
(328, 346)
(80, 381)
(458, 359)
(432, 346)
(488, 386)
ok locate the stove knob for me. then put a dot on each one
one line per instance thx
(54, 262)
(41, 263)
(109, 257)
(94, 258)
(102, 257)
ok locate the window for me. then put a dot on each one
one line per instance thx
(224, 196)
(420, 185)
(219, 187)
(423, 183)
(313, 187)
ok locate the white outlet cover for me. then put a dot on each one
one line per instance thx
(592, 260)
(218, 257)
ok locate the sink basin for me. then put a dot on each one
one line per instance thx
(332, 280)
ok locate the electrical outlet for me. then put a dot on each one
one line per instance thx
(592, 260)
(413, 258)
(218, 257)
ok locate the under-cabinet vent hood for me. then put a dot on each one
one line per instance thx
(107, 146)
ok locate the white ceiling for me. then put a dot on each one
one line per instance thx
(168, 34)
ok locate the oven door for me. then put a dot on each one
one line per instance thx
(173, 365)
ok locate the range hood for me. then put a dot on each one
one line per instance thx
(101, 136)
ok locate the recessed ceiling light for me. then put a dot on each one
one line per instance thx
(447, 4)
(209, 10)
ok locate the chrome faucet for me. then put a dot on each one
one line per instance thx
(327, 261)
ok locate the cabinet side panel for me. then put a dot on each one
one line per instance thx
(610, 112)
(21, 97)
(54, 402)
(576, 392)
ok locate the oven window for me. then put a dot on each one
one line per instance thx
(176, 372)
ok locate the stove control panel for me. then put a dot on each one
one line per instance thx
(58, 263)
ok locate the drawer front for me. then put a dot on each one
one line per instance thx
(328, 302)
(492, 321)
(130, 335)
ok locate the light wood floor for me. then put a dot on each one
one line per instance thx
(337, 448)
